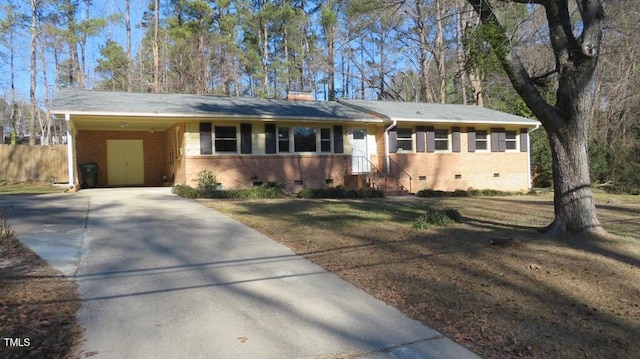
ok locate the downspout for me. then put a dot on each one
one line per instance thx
(70, 153)
(529, 155)
(386, 146)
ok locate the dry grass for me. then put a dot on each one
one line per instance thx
(533, 297)
(37, 306)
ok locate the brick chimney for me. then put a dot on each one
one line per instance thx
(300, 96)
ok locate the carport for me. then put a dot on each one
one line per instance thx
(131, 146)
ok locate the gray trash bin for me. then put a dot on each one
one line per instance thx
(89, 175)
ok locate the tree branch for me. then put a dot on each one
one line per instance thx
(592, 18)
(520, 79)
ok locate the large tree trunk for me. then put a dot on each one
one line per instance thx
(573, 203)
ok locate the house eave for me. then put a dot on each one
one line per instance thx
(443, 121)
(208, 116)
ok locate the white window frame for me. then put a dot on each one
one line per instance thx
(435, 139)
(320, 139)
(486, 140)
(290, 149)
(513, 140)
(405, 139)
(214, 133)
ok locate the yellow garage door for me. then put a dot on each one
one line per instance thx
(125, 162)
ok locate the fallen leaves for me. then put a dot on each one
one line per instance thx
(36, 303)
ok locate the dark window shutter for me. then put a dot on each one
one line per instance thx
(524, 140)
(421, 139)
(206, 143)
(455, 139)
(393, 140)
(498, 138)
(431, 139)
(338, 139)
(471, 136)
(245, 138)
(271, 139)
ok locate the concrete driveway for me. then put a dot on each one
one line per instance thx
(165, 277)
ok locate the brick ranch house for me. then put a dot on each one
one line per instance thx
(141, 139)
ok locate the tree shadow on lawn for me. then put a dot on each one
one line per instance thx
(545, 298)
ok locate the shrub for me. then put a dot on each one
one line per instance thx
(5, 228)
(186, 191)
(206, 180)
(460, 193)
(269, 190)
(437, 217)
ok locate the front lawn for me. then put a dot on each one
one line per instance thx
(38, 306)
(13, 187)
(494, 283)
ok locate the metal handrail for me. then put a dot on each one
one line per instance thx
(386, 176)
(364, 159)
(402, 170)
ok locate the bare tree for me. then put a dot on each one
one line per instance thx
(127, 25)
(156, 51)
(35, 8)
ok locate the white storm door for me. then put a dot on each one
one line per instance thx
(359, 152)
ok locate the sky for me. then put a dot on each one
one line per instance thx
(99, 8)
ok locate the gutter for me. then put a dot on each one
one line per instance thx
(386, 148)
(530, 179)
(169, 117)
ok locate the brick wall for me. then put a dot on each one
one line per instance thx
(448, 171)
(91, 146)
(242, 171)
(506, 171)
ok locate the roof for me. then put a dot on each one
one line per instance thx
(438, 113)
(123, 104)
(101, 109)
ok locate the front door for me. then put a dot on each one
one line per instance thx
(359, 153)
(125, 162)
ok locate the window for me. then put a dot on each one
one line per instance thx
(225, 139)
(511, 140)
(482, 140)
(283, 139)
(206, 147)
(304, 139)
(325, 140)
(442, 139)
(405, 139)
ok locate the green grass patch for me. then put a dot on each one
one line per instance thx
(11, 187)
(437, 217)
